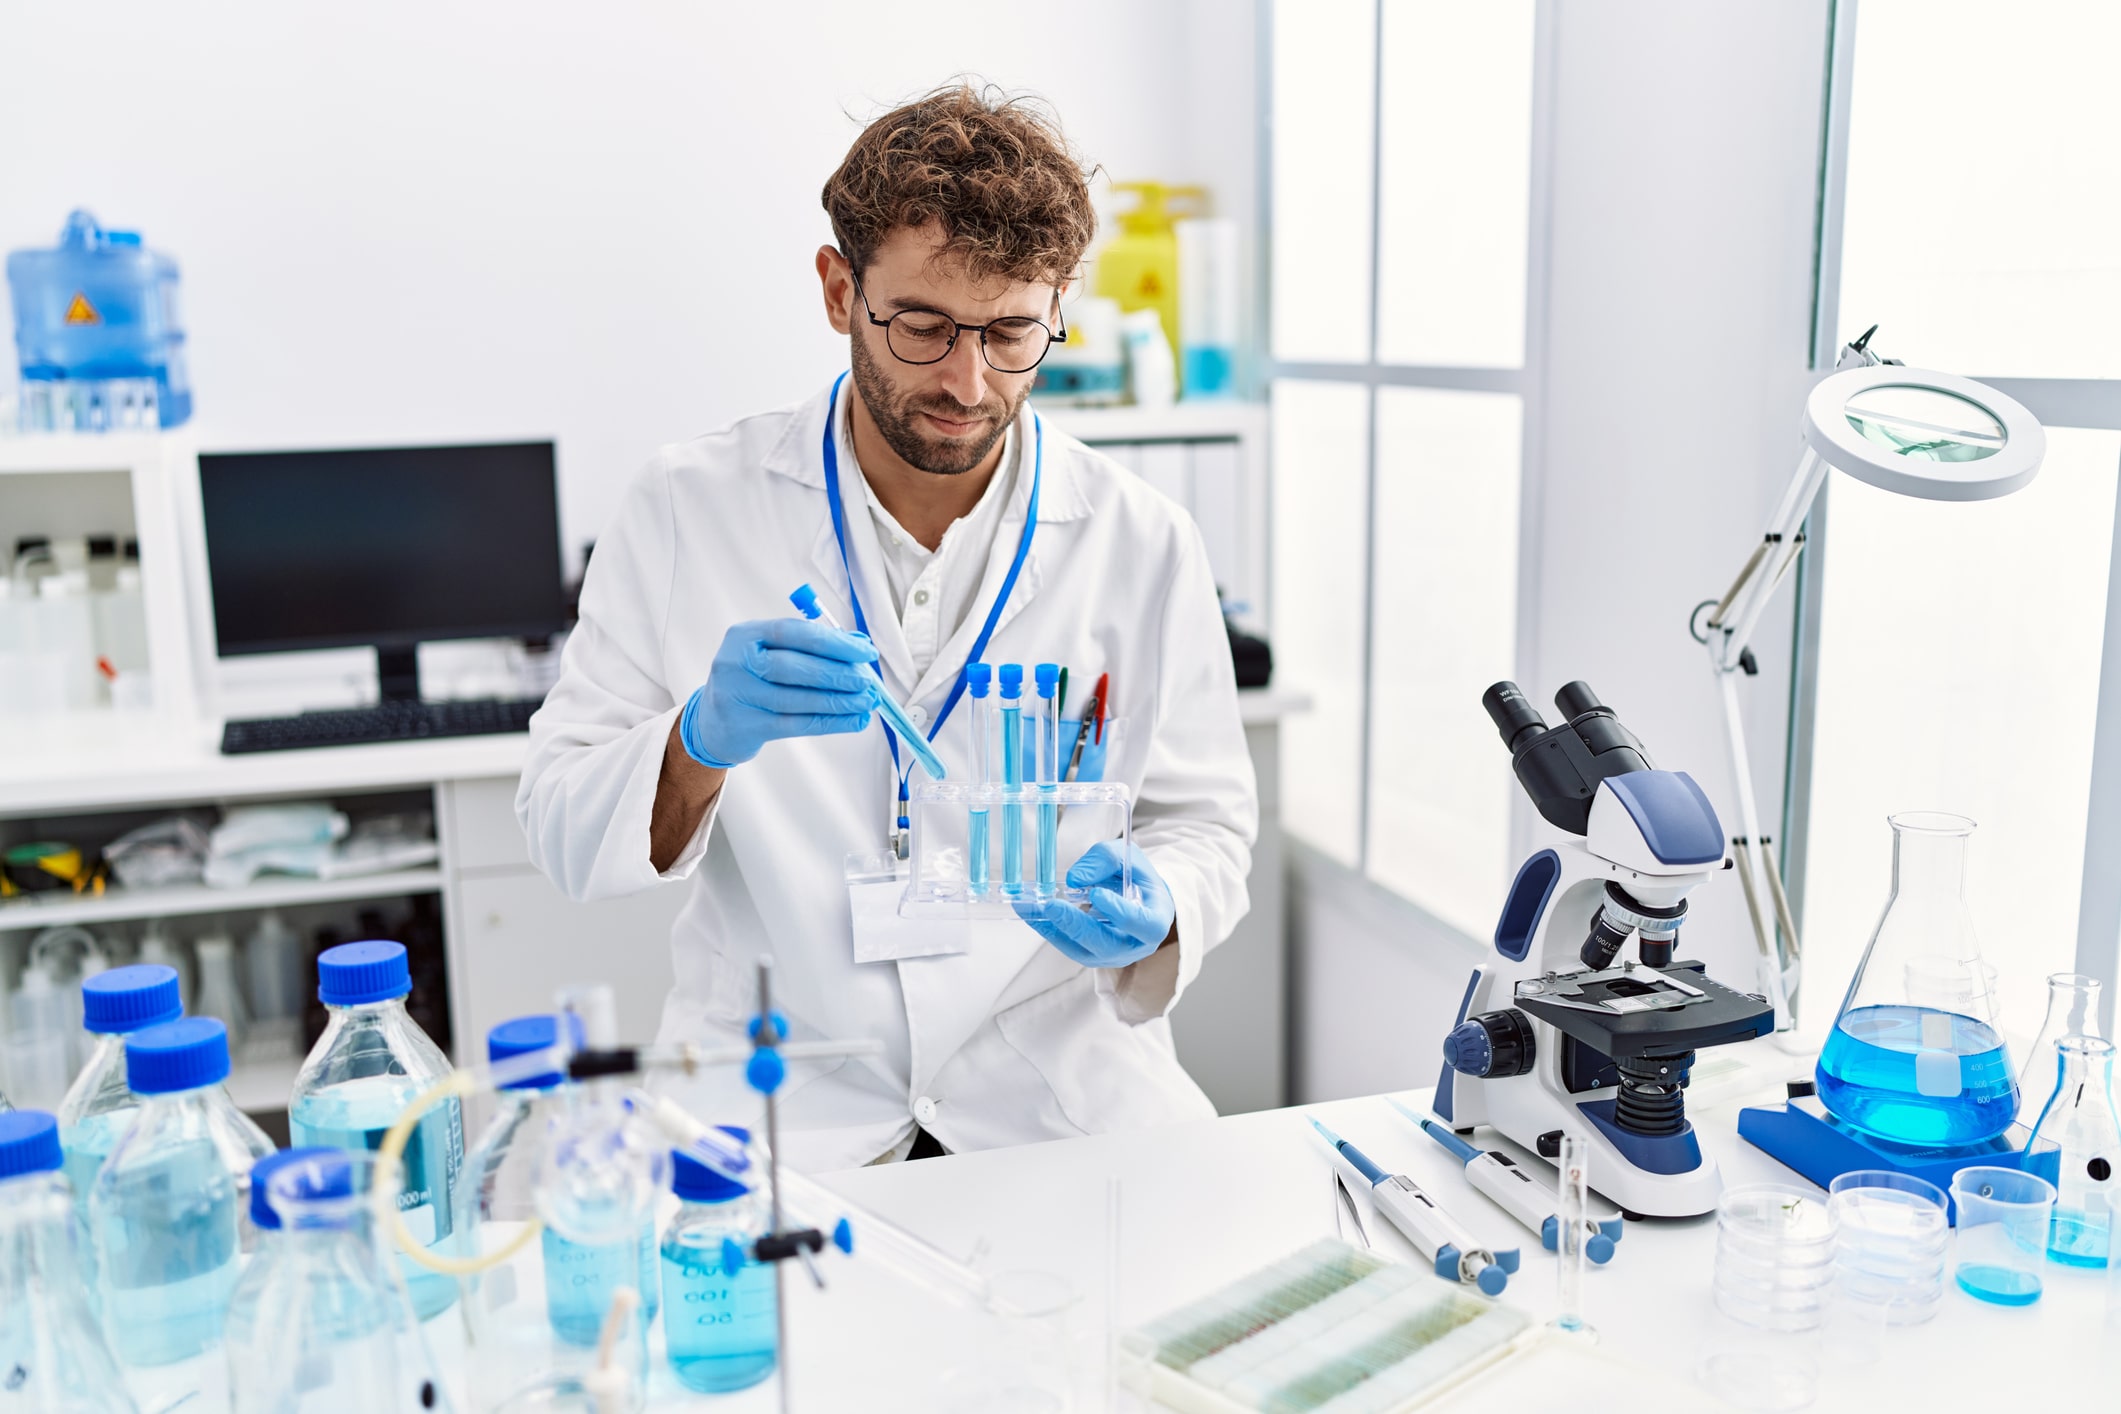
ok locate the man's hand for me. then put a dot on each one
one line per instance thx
(775, 678)
(1118, 930)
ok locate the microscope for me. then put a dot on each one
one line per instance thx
(1563, 1035)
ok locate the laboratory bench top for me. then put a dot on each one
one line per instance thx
(107, 761)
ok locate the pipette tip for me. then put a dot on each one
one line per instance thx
(1331, 1137)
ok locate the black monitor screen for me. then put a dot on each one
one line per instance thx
(389, 547)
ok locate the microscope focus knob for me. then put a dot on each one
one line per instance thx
(1493, 1045)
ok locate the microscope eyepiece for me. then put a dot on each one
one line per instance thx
(1577, 699)
(1512, 712)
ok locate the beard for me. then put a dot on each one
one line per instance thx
(897, 417)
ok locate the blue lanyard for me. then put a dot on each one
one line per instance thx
(854, 594)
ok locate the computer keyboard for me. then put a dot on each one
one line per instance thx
(386, 721)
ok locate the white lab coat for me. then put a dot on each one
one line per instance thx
(1008, 1042)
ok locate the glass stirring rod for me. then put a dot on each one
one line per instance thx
(805, 599)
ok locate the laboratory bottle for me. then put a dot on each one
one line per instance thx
(535, 1318)
(2072, 1010)
(979, 845)
(39, 1039)
(272, 958)
(371, 1062)
(1914, 1055)
(720, 1311)
(317, 1325)
(2079, 1119)
(156, 945)
(53, 1355)
(219, 995)
(1208, 280)
(66, 636)
(168, 1208)
(100, 1106)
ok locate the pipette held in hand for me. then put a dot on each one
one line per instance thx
(1517, 1193)
(805, 599)
(1435, 1234)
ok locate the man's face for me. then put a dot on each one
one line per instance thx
(943, 417)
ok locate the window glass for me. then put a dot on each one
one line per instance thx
(1959, 659)
(1324, 74)
(1446, 576)
(1320, 511)
(1456, 127)
(1984, 187)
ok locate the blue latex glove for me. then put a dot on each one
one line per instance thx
(1118, 930)
(775, 678)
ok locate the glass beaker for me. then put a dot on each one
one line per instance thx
(2003, 1219)
(2079, 1117)
(2072, 1010)
(1915, 1056)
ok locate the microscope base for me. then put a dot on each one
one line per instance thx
(1804, 1137)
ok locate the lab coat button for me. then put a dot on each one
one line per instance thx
(924, 1110)
(919, 715)
(920, 596)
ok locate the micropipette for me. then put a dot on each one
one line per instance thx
(1515, 1191)
(1434, 1233)
(805, 599)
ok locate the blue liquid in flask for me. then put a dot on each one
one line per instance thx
(719, 1330)
(1918, 1075)
(580, 1281)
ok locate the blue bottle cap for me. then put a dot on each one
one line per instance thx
(29, 1143)
(694, 1182)
(805, 600)
(127, 998)
(528, 1034)
(329, 1175)
(979, 677)
(356, 974)
(1012, 679)
(1048, 677)
(177, 1055)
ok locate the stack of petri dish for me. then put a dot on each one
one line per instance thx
(1775, 1256)
(1894, 1235)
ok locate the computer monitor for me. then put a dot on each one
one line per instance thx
(385, 547)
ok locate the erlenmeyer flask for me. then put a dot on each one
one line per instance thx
(1915, 1056)
(2079, 1117)
(2072, 1010)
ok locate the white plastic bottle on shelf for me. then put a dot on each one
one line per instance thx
(120, 614)
(157, 946)
(66, 640)
(39, 1057)
(219, 994)
(273, 965)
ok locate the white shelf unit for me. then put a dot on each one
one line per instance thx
(1211, 458)
(117, 905)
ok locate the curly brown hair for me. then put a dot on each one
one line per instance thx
(993, 170)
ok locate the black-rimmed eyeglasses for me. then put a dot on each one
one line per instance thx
(920, 336)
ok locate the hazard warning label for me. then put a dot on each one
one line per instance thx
(82, 312)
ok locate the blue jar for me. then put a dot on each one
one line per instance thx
(97, 332)
(719, 1324)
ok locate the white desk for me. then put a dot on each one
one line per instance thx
(1204, 1204)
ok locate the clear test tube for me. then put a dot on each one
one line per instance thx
(1047, 676)
(1012, 745)
(1572, 1208)
(979, 681)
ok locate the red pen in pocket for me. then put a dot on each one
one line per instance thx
(1093, 719)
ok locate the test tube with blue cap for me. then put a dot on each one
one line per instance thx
(1012, 713)
(979, 681)
(1047, 676)
(805, 599)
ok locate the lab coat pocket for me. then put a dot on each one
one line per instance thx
(1090, 767)
(880, 935)
(1104, 1073)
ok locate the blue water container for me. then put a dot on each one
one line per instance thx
(97, 331)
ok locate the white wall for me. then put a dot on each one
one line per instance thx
(403, 222)
(1674, 346)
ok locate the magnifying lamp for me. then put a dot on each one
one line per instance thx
(1910, 431)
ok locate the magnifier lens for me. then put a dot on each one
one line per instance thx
(1925, 424)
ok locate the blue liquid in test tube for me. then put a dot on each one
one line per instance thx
(979, 678)
(805, 599)
(1048, 677)
(1012, 676)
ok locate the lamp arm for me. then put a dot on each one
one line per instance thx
(1730, 628)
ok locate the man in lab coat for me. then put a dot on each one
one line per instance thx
(700, 727)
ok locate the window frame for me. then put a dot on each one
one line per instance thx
(1526, 381)
(2091, 403)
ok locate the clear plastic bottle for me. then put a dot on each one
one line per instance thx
(370, 1063)
(168, 1208)
(317, 1325)
(1914, 1056)
(719, 1307)
(536, 1318)
(157, 946)
(219, 994)
(2079, 1117)
(39, 1059)
(52, 1351)
(2072, 1010)
(101, 1106)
